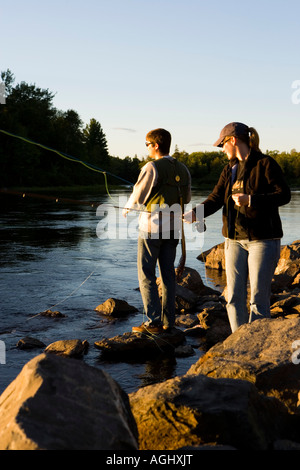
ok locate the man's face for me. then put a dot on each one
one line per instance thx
(151, 149)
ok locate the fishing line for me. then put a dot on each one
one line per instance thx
(90, 166)
(68, 296)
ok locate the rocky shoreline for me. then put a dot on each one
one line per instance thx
(242, 394)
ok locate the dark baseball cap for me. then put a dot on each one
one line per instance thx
(235, 129)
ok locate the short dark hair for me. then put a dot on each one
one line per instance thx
(162, 138)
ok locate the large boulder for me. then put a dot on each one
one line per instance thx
(194, 410)
(59, 403)
(262, 352)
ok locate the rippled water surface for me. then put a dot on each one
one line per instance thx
(51, 257)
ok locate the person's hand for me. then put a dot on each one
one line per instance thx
(189, 217)
(241, 199)
(125, 212)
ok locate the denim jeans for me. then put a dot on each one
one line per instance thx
(161, 252)
(258, 259)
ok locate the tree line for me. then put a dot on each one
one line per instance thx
(205, 167)
(29, 112)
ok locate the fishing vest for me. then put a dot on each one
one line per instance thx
(172, 184)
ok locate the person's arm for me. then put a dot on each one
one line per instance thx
(213, 202)
(277, 193)
(142, 189)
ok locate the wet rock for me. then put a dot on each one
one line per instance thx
(29, 343)
(196, 331)
(289, 253)
(213, 319)
(115, 308)
(192, 281)
(137, 345)
(57, 403)
(195, 410)
(212, 325)
(184, 350)
(70, 347)
(264, 353)
(287, 277)
(187, 320)
(185, 299)
(214, 258)
(283, 304)
(189, 290)
(52, 314)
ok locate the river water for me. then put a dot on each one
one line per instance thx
(72, 257)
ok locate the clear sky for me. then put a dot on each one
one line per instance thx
(190, 66)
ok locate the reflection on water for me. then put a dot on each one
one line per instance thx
(52, 257)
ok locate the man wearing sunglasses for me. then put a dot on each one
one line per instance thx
(163, 186)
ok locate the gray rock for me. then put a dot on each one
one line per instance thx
(262, 352)
(194, 410)
(58, 403)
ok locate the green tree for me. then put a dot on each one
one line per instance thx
(96, 144)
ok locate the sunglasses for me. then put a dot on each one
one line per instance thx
(226, 140)
(148, 143)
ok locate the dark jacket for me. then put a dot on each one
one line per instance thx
(264, 181)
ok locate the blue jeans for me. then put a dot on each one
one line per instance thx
(257, 258)
(162, 252)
